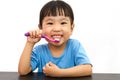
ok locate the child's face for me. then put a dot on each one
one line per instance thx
(57, 27)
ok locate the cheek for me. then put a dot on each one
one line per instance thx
(68, 30)
(46, 31)
(67, 33)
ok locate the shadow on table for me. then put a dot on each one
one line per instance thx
(41, 76)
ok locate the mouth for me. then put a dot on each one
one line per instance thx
(57, 36)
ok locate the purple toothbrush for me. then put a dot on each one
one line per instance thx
(47, 38)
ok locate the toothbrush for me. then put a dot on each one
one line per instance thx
(43, 36)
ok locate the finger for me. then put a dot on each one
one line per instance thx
(34, 33)
(43, 68)
(39, 32)
(50, 64)
(44, 72)
(30, 33)
(47, 65)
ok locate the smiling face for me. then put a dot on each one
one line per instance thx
(57, 27)
(56, 21)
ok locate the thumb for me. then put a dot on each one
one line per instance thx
(50, 63)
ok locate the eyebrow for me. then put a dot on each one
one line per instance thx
(64, 19)
(49, 19)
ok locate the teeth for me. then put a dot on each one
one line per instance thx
(57, 39)
(56, 36)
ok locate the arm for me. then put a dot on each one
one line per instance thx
(24, 62)
(81, 70)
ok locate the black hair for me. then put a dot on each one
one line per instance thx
(54, 8)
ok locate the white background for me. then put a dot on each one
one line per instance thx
(97, 24)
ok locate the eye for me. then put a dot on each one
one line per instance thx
(64, 23)
(49, 23)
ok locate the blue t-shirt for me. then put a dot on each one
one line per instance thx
(73, 55)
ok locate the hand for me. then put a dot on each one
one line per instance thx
(51, 69)
(35, 36)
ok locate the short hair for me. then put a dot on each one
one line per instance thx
(54, 8)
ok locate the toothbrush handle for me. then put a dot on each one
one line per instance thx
(28, 34)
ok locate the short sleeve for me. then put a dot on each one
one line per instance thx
(80, 54)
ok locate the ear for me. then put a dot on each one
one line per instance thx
(72, 27)
(39, 26)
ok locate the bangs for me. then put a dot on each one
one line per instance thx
(56, 11)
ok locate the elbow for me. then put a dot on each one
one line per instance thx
(23, 72)
(89, 71)
(86, 70)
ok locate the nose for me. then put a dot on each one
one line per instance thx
(57, 28)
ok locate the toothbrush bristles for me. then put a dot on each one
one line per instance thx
(56, 40)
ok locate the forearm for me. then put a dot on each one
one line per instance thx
(24, 63)
(81, 70)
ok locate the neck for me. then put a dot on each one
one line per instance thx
(56, 51)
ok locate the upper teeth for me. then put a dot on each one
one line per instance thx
(56, 37)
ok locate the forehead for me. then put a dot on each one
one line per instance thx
(57, 18)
